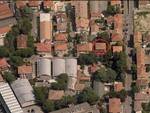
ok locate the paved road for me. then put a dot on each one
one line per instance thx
(128, 27)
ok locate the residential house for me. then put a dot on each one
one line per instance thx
(44, 48)
(55, 95)
(81, 9)
(118, 23)
(79, 108)
(45, 27)
(59, 6)
(21, 4)
(114, 105)
(5, 11)
(4, 66)
(48, 4)
(61, 49)
(61, 37)
(84, 48)
(22, 41)
(3, 31)
(100, 48)
(117, 49)
(34, 4)
(118, 86)
(116, 37)
(82, 24)
(116, 2)
(25, 71)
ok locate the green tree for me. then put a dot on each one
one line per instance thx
(26, 52)
(9, 77)
(104, 35)
(112, 10)
(16, 61)
(48, 106)
(4, 52)
(87, 95)
(30, 42)
(25, 25)
(62, 82)
(47, 10)
(87, 59)
(104, 75)
(147, 68)
(41, 94)
(133, 71)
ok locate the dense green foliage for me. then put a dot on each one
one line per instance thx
(112, 10)
(16, 61)
(9, 77)
(62, 82)
(105, 75)
(4, 52)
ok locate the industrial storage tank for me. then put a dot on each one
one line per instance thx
(44, 67)
(71, 67)
(58, 66)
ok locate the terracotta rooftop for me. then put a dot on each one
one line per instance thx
(140, 96)
(87, 47)
(33, 3)
(116, 37)
(4, 29)
(118, 23)
(21, 4)
(22, 41)
(61, 37)
(24, 69)
(114, 105)
(100, 46)
(118, 86)
(61, 47)
(82, 23)
(117, 48)
(43, 47)
(48, 3)
(3, 63)
(115, 2)
(55, 94)
(5, 11)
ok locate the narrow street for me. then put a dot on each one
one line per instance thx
(128, 38)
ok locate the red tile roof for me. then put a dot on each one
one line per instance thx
(4, 29)
(43, 47)
(3, 63)
(33, 3)
(87, 47)
(117, 48)
(116, 37)
(61, 37)
(100, 46)
(114, 105)
(21, 4)
(61, 47)
(47, 3)
(118, 86)
(5, 11)
(24, 69)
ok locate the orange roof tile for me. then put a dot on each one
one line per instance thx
(87, 47)
(118, 86)
(82, 22)
(3, 63)
(55, 94)
(114, 105)
(117, 48)
(60, 47)
(47, 3)
(21, 4)
(61, 37)
(43, 47)
(5, 11)
(116, 37)
(100, 46)
(24, 69)
(5, 29)
(118, 23)
(115, 2)
(33, 3)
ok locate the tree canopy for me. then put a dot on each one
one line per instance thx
(105, 75)
(9, 77)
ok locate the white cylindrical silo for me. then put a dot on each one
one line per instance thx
(71, 67)
(58, 66)
(44, 67)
